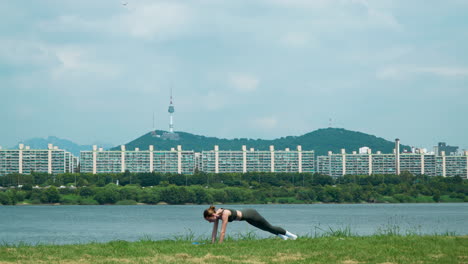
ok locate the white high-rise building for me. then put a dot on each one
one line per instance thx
(242, 161)
(25, 160)
(337, 165)
(115, 161)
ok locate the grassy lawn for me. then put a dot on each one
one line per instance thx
(333, 249)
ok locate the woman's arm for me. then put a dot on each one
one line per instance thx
(215, 231)
(224, 218)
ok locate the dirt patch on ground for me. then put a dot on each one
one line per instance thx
(436, 256)
(208, 258)
(251, 261)
(350, 261)
(185, 258)
(463, 259)
(182, 255)
(177, 258)
(286, 257)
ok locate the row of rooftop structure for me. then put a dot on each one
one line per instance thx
(116, 161)
(340, 164)
(25, 160)
(417, 163)
(186, 162)
(176, 160)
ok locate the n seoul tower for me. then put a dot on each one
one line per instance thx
(171, 111)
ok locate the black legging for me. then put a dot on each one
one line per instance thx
(254, 218)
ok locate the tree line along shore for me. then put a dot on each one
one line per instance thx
(202, 188)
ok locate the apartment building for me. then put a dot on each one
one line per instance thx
(251, 160)
(25, 160)
(97, 160)
(339, 164)
(112, 161)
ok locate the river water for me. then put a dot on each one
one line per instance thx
(82, 224)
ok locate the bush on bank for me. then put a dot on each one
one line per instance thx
(202, 188)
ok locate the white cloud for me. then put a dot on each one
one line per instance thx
(60, 61)
(243, 82)
(76, 61)
(23, 52)
(389, 73)
(142, 19)
(213, 101)
(265, 122)
(379, 17)
(155, 20)
(344, 14)
(295, 39)
(302, 3)
(444, 71)
(70, 23)
(70, 59)
(403, 72)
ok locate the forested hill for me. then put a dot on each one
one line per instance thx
(321, 141)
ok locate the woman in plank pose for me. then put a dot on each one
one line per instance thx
(251, 216)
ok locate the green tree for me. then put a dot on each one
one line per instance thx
(219, 195)
(176, 195)
(149, 179)
(86, 191)
(149, 196)
(202, 196)
(436, 196)
(334, 193)
(107, 195)
(129, 192)
(5, 199)
(303, 195)
(320, 179)
(27, 187)
(50, 195)
(20, 196)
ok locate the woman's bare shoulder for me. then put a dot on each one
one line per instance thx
(224, 212)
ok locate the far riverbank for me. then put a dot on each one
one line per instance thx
(249, 188)
(418, 200)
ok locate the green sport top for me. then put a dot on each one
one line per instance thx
(233, 215)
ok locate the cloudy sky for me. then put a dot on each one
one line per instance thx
(96, 71)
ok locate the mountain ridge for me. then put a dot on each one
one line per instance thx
(321, 141)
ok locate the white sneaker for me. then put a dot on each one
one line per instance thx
(283, 237)
(291, 235)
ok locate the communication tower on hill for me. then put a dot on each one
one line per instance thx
(171, 111)
(171, 135)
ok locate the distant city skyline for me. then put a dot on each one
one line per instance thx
(96, 71)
